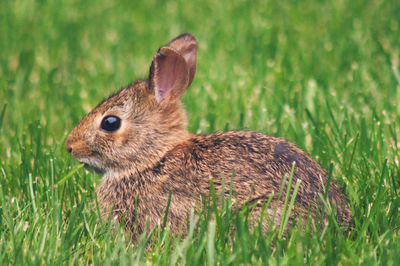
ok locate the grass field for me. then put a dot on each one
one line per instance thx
(322, 74)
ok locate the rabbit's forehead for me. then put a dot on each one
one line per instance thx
(120, 109)
(123, 111)
(124, 107)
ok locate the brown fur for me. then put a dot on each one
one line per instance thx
(152, 153)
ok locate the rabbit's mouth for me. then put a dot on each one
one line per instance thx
(92, 165)
(94, 169)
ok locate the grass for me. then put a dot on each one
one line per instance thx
(322, 74)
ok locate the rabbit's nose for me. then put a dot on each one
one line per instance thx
(68, 145)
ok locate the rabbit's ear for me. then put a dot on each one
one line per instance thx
(173, 68)
(186, 45)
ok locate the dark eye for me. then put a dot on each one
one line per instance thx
(111, 123)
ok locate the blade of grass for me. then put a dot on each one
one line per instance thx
(3, 112)
(166, 211)
(210, 243)
(290, 208)
(32, 192)
(71, 173)
(285, 206)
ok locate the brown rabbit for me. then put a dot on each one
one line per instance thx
(137, 139)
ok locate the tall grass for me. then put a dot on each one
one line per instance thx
(323, 74)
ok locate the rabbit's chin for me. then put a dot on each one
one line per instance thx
(93, 165)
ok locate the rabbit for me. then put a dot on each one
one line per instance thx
(138, 141)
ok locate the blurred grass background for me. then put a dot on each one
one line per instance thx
(323, 74)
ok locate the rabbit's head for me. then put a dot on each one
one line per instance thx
(131, 130)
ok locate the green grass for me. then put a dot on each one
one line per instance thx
(323, 74)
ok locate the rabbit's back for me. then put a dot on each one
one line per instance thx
(259, 163)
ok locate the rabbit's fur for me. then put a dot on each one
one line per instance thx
(151, 153)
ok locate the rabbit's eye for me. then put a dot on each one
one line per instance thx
(111, 123)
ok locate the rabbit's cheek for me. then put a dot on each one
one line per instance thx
(122, 138)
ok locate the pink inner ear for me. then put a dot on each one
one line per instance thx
(168, 70)
(166, 76)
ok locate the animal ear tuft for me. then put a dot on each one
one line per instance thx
(173, 68)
